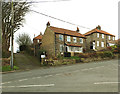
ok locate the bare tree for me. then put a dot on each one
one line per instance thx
(20, 9)
(23, 39)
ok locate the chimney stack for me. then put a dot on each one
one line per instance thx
(48, 24)
(98, 27)
(40, 33)
(77, 29)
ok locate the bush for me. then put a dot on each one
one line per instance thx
(108, 54)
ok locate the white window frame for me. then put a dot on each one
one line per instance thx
(97, 43)
(74, 39)
(38, 40)
(109, 37)
(68, 39)
(98, 35)
(61, 37)
(81, 49)
(61, 48)
(103, 36)
(113, 38)
(81, 40)
(102, 44)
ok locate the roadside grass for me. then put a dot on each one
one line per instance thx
(8, 68)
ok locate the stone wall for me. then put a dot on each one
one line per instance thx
(48, 42)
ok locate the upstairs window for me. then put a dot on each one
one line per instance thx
(113, 38)
(74, 39)
(103, 36)
(38, 41)
(81, 40)
(68, 39)
(97, 35)
(61, 37)
(109, 37)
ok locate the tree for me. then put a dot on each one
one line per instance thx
(20, 9)
(23, 39)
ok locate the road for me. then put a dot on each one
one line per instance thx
(99, 76)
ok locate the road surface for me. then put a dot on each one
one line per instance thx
(97, 76)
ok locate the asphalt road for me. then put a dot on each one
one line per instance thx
(99, 76)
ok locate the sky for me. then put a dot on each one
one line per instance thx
(86, 13)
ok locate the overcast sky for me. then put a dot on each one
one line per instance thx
(85, 13)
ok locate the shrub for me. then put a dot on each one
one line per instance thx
(108, 54)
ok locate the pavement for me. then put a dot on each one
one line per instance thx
(100, 76)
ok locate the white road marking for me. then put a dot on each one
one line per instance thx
(48, 75)
(107, 83)
(84, 69)
(23, 80)
(5, 83)
(59, 74)
(76, 71)
(38, 77)
(46, 85)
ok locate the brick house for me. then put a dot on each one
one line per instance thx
(98, 39)
(58, 40)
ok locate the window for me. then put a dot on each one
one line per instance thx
(97, 43)
(109, 37)
(113, 38)
(61, 37)
(81, 40)
(74, 39)
(97, 35)
(102, 44)
(68, 39)
(38, 40)
(103, 36)
(61, 48)
(80, 49)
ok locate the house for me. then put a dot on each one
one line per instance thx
(37, 41)
(58, 40)
(98, 39)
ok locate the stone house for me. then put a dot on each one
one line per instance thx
(58, 40)
(37, 41)
(98, 39)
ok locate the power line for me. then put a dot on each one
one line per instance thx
(60, 19)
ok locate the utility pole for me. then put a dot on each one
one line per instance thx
(11, 61)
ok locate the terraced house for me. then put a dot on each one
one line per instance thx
(98, 39)
(58, 40)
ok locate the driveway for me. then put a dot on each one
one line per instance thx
(99, 76)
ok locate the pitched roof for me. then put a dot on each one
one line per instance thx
(65, 31)
(97, 31)
(38, 37)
